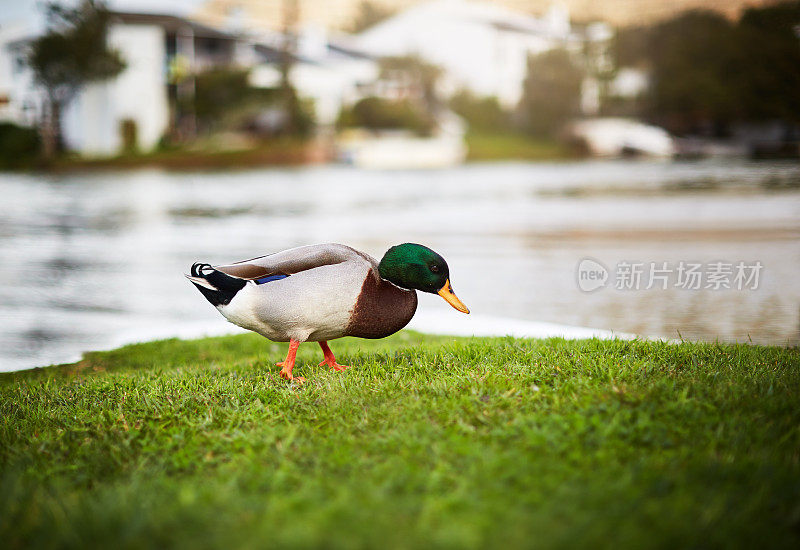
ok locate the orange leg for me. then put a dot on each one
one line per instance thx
(330, 360)
(288, 364)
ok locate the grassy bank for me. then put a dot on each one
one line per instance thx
(279, 152)
(484, 146)
(426, 442)
(289, 152)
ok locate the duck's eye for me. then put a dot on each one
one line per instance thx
(435, 268)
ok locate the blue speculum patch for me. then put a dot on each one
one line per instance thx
(269, 279)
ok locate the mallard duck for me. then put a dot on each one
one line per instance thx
(321, 292)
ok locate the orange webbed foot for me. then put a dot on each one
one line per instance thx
(334, 365)
(288, 364)
(286, 373)
(330, 360)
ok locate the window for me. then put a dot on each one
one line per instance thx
(19, 64)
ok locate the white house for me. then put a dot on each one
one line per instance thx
(481, 46)
(156, 49)
(325, 69)
(92, 122)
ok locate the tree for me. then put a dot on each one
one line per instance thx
(697, 69)
(629, 47)
(708, 73)
(551, 93)
(223, 95)
(771, 38)
(71, 54)
(225, 100)
(481, 113)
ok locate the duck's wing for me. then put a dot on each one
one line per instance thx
(294, 260)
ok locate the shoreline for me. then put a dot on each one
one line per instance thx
(292, 152)
(432, 322)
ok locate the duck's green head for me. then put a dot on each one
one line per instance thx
(415, 266)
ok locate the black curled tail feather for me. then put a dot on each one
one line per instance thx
(197, 269)
(225, 286)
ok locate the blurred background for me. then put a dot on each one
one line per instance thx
(518, 138)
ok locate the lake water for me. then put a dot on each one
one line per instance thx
(92, 260)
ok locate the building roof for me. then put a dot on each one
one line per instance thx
(270, 54)
(348, 51)
(171, 23)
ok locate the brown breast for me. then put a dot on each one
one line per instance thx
(381, 309)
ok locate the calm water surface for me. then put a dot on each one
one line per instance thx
(91, 260)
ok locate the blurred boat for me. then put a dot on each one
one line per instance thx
(402, 149)
(616, 137)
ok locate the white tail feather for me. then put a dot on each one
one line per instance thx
(200, 281)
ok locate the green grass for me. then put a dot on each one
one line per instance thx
(483, 146)
(428, 442)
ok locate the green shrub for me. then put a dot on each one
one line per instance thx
(551, 93)
(18, 146)
(377, 113)
(224, 100)
(481, 113)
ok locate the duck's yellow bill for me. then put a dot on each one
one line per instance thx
(450, 297)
